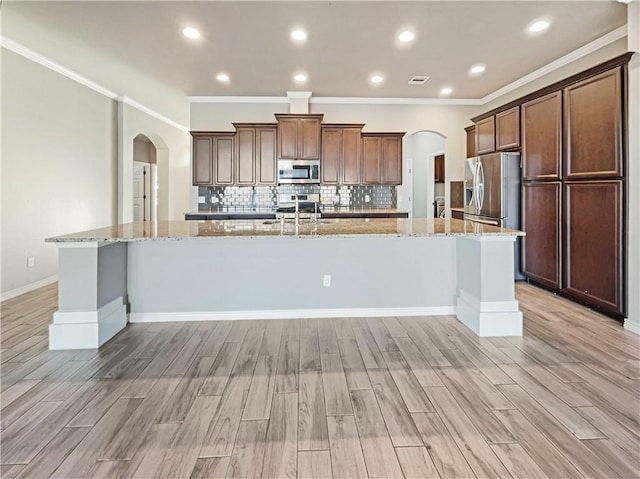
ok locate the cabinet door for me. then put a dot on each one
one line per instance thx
(309, 139)
(438, 167)
(508, 129)
(541, 247)
(485, 136)
(351, 156)
(246, 156)
(288, 138)
(471, 141)
(594, 254)
(593, 127)
(391, 161)
(371, 160)
(266, 155)
(542, 137)
(223, 160)
(202, 165)
(331, 147)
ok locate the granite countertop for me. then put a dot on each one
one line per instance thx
(458, 209)
(343, 227)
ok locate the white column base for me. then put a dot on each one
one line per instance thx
(501, 318)
(87, 329)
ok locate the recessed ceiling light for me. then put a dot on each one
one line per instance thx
(477, 69)
(223, 77)
(538, 26)
(446, 91)
(191, 32)
(406, 36)
(299, 35)
(377, 79)
(300, 77)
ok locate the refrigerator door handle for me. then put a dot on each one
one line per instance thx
(480, 186)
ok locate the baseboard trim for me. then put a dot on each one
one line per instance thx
(290, 314)
(14, 293)
(632, 326)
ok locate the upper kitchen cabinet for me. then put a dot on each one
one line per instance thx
(213, 158)
(507, 125)
(486, 136)
(438, 168)
(299, 136)
(341, 158)
(382, 158)
(471, 141)
(593, 126)
(255, 154)
(542, 138)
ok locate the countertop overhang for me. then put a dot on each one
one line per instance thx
(342, 228)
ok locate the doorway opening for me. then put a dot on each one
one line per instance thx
(145, 179)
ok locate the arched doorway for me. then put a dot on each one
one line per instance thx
(145, 175)
(426, 197)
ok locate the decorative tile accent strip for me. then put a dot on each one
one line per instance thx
(266, 197)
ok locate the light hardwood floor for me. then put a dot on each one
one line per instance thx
(377, 397)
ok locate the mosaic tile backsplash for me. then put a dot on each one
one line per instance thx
(266, 197)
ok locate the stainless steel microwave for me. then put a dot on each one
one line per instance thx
(298, 171)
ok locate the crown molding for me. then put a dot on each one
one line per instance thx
(238, 99)
(585, 50)
(327, 100)
(29, 54)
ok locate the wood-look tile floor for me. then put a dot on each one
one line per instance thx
(381, 397)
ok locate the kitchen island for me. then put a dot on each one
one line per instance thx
(255, 269)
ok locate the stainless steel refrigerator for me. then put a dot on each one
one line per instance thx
(492, 193)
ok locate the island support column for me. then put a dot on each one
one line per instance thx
(486, 290)
(92, 294)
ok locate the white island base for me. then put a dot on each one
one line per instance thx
(105, 284)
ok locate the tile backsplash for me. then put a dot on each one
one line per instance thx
(361, 196)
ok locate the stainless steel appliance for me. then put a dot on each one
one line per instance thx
(492, 193)
(296, 207)
(298, 171)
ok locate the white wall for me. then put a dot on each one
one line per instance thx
(58, 166)
(424, 146)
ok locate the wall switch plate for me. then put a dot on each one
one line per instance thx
(326, 280)
(31, 261)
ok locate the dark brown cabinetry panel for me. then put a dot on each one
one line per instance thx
(246, 159)
(541, 220)
(593, 127)
(223, 159)
(457, 214)
(471, 141)
(486, 136)
(371, 153)
(542, 138)
(331, 146)
(438, 168)
(351, 164)
(202, 166)
(508, 129)
(266, 155)
(382, 158)
(593, 249)
(299, 136)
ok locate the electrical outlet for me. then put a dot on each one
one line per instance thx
(326, 280)
(31, 261)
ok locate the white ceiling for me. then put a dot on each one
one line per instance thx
(347, 42)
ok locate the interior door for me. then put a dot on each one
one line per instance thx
(138, 191)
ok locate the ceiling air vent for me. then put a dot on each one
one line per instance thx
(418, 80)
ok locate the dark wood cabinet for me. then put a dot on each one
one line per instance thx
(202, 166)
(255, 154)
(486, 136)
(508, 129)
(542, 138)
(541, 220)
(471, 141)
(213, 158)
(299, 136)
(382, 158)
(593, 127)
(457, 214)
(594, 243)
(438, 168)
(341, 158)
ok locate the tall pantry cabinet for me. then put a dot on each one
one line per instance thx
(573, 198)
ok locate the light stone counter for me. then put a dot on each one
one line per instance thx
(237, 269)
(341, 227)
